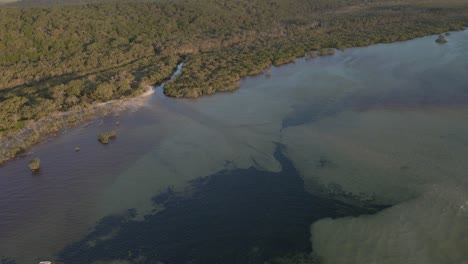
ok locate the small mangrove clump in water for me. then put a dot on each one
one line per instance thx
(441, 39)
(105, 137)
(34, 164)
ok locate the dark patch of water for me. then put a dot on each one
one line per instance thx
(233, 216)
(301, 115)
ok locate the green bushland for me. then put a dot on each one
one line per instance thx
(34, 164)
(66, 58)
(221, 70)
(105, 137)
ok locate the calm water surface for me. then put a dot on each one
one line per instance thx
(358, 157)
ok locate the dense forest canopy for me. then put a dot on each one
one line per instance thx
(46, 3)
(56, 58)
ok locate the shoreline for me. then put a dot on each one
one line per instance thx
(17, 144)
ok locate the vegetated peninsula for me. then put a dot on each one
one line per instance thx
(59, 60)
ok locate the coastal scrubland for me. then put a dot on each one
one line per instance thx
(59, 59)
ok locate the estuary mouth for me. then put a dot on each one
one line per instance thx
(233, 216)
(356, 157)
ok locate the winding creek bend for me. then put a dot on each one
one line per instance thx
(358, 157)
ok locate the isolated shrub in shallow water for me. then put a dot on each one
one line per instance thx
(441, 39)
(105, 137)
(35, 164)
